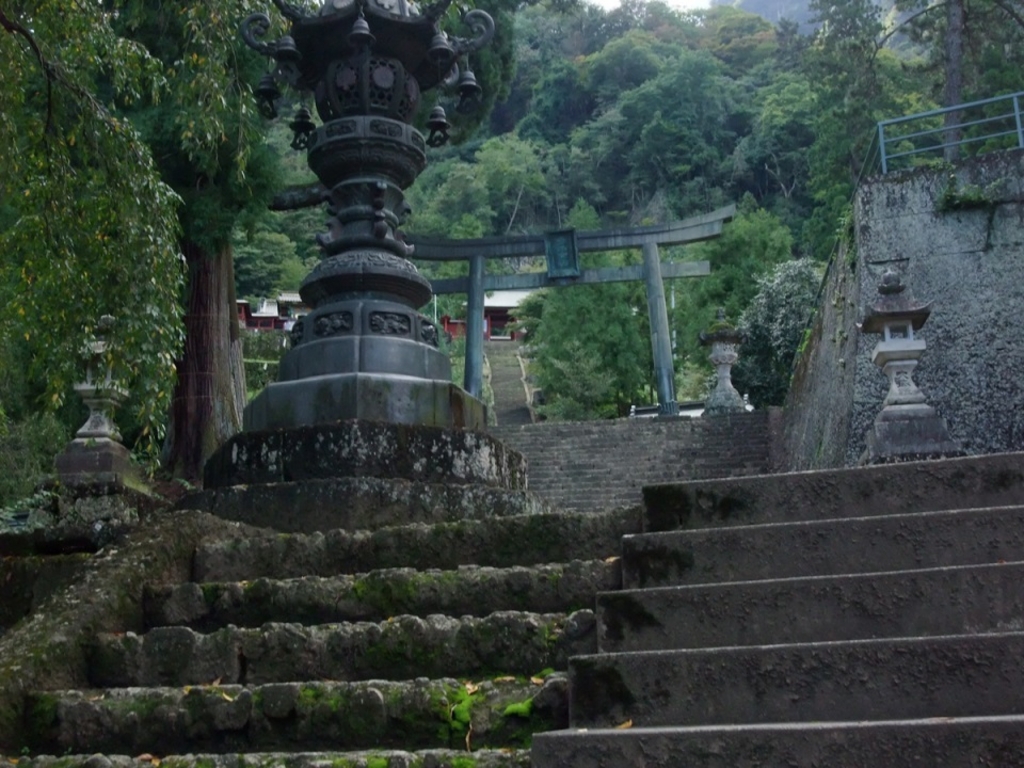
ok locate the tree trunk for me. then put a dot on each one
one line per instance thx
(210, 392)
(953, 91)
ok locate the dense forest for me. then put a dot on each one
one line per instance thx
(134, 148)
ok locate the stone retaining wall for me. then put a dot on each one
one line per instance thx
(601, 464)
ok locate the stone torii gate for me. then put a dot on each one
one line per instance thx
(561, 249)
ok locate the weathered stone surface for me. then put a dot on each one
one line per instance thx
(938, 601)
(427, 758)
(945, 741)
(468, 590)
(848, 545)
(995, 480)
(499, 542)
(887, 679)
(49, 650)
(366, 449)
(600, 465)
(405, 647)
(359, 503)
(330, 715)
(28, 581)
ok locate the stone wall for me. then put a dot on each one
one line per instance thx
(816, 421)
(966, 258)
(597, 465)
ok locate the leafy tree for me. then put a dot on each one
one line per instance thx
(774, 323)
(750, 245)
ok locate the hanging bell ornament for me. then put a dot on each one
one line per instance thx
(438, 125)
(469, 91)
(302, 126)
(361, 37)
(267, 93)
(440, 51)
(286, 51)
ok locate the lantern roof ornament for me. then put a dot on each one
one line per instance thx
(894, 304)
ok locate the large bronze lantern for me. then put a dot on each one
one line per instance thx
(365, 351)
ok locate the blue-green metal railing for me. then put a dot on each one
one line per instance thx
(979, 126)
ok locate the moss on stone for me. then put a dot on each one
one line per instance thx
(522, 708)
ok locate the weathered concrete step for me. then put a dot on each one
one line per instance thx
(416, 714)
(975, 481)
(506, 642)
(378, 595)
(376, 758)
(947, 742)
(901, 678)
(498, 542)
(849, 545)
(936, 601)
(359, 503)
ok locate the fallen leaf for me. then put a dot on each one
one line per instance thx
(146, 757)
(471, 688)
(96, 698)
(505, 679)
(217, 681)
(627, 724)
(537, 680)
(611, 559)
(469, 735)
(226, 697)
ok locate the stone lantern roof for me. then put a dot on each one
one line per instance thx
(721, 331)
(894, 303)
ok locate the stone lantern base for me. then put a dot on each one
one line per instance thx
(909, 433)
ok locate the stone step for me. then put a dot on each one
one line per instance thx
(850, 545)
(948, 742)
(497, 542)
(505, 642)
(937, 601)
(361, 503)
(414, 714)
(376, 758)
(975, 481)
(378, 595)
(890, 679)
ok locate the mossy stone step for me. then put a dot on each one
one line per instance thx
(417, 714)
(377, 758)
(378, 595)
(405, 647)
(498, 542)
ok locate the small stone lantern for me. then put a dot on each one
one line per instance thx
(96, 452)
(907, 427)
(723, 339)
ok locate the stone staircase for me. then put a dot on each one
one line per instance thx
(203, 642)
(868, 617)
(510, 405)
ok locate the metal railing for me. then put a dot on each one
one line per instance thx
(983, 126)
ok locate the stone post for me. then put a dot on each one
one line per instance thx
(723, 339)
(661, 340)
(907, 428)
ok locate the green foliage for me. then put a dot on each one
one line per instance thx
(774, 324)
(91, 220)
(27, 449)
(967, 197)
(748, 247)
